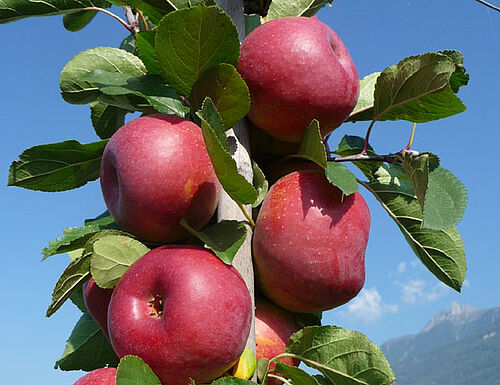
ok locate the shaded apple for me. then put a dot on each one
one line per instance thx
(104, 376)
(97, 301)
(309, 243)
(155, 171)
(183, 311)
(273, 328)
(297, 69)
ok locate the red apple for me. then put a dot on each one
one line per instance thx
(97, 301)
(273, 328)
(309, 243)
(297, 69)
(104, 376)
(183, 311)
(155, 171)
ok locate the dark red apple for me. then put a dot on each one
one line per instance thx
(183, 311)
(104, 376)
(155, 171)
(297, 69)
(309, 243)
(273, 328)
(97, 301)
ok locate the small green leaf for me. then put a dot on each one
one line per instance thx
(417, 168)
(224, 238)
(106, 119)
(308, 319)
(146, 46)
(76, 91)
(262, 365)
(132, 370)
(57, 166)
(291, 8)
(228, 91)
(71, 280)
(87, 348)
(129, 44)
(445, 200)
(150, 90)
(342, 356)
(441, 251)
(459, 78)
(192, 40)
(13, 10)
(76, 21)
(340, 176)
(298, 376)
(75, 238)
(312, 146)
(112, 255)
(236, 186)
(366, 99)
(260, 183)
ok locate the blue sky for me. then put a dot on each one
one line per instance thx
(399, 297)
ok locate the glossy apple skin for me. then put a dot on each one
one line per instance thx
(104, 376)
(155, 171)
(297, 69)
(273, 328)
(205, 321)
(309, 243)
(97, 302)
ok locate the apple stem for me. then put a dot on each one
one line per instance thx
(247, 216)
(129, 27)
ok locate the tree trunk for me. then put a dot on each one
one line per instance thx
(240, 149)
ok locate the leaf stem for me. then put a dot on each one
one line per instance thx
(283, 380)
(109, 13)
(410, 142)
(489, 5)
(247, 216)
(365, 148)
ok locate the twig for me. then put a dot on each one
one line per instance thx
(489, 5)
(129, 27)
(132, 20)
(247, 216)
(389, 158)
(365, 148)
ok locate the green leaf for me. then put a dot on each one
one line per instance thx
(228, 91)
(259, 183)
(75, 238)
(232, 381)
(106, 119)
(342, 356)
(146, 46)
(78, 301)
(445, 200)
(417, 169)
(224, 238)
(76, 21)
(76, 91)
(418, 89)
(236, 186)
(132, 370)
(112, 255)
(364, 107)
(13, 10)
(87, 348)
(251, 22)
(150, 88)
(441, 251)
(129, 44)
(459, 78)
(340, 176)
(298, 376)
(57, 166)
(262, 366)
(312, 146)
(71, 280)
(307, 319)
(290, 8)
(192, 40)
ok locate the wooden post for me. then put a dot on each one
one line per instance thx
(240, 149)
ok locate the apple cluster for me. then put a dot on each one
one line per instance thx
(180, 308)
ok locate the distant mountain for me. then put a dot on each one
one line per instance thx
(457, 347)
